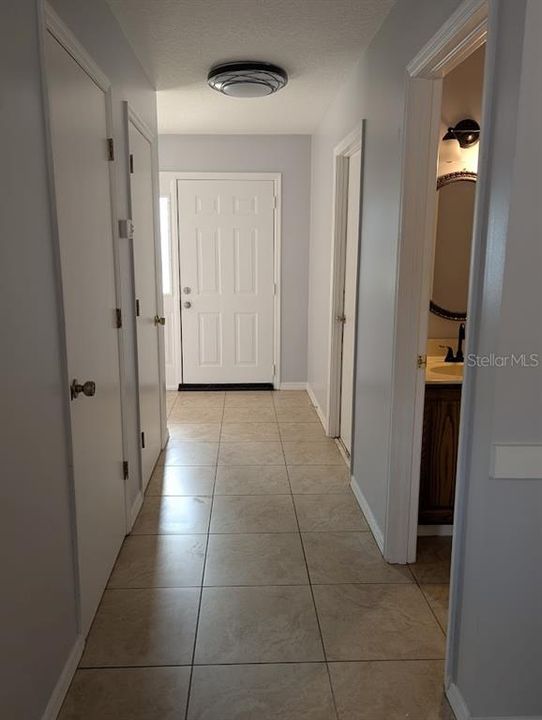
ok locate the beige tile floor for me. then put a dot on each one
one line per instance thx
(251, 587)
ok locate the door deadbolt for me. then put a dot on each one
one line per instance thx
(88, 388)
(159, 320)
(187, 304)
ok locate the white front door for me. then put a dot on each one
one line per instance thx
(227, 280)
(82, 188)
(148, 358)
(349, 306)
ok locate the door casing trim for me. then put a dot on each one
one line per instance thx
(351, 144)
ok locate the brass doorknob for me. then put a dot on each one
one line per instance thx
(187, 304)
(159, 320)
(88, 388)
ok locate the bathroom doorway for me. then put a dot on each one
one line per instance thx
(460, 39)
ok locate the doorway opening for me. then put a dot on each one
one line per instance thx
(347, 205)
(224, 250)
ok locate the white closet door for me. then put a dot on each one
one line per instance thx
(226, 270)
(82, 187)
(349, 308)
(148, 358)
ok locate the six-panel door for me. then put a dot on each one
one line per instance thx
(227, 280)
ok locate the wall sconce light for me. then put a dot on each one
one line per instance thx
(466, 132)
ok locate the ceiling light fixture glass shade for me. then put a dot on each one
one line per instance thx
(246, 79)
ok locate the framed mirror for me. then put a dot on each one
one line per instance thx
(456, 192)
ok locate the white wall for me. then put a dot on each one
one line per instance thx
(289, 155)
(497, 574)
(98, 31)
(38, 624)
(375, 91)
(38, 597)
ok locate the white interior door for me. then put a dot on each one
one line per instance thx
(227, 280)
(82, 187)
(349, 306)
(148, 357)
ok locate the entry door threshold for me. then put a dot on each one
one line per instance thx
(202, 387)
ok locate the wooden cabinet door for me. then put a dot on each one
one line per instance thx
(439, 453)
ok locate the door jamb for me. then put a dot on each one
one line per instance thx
(172, 179)
(351, 144)
(131, 116)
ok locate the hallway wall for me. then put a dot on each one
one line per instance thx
(38, 599)
(375, 91)
(289, 155)
(497, 568)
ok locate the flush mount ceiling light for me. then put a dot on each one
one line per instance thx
(466, 132)
(246, 79)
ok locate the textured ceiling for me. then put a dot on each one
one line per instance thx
(177, 41)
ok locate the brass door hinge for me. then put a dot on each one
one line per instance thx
(110, 149)
(125, 469)
(118, 317)
(422, 361)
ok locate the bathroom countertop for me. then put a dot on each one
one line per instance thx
(438, 372)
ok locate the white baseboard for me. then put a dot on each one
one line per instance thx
(136, 507)
(293, 386)
(371, 520)
(458, 705)
(426, 530)
(319, 412)
(61, 688)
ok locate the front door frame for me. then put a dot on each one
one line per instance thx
(351, 144)
(171, 180)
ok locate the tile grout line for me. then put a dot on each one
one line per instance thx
(312, 596)
(190, 679)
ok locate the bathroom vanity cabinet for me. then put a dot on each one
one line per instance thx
(439, 453)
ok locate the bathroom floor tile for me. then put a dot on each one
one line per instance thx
(182, 480)
(253, 514)
(257, 624)
(245, 432)
(349, 557)
(252, 480)
(377, 622)
(322, 513)
(319, 479)
(255, 559)
(175, 515)
(390, 690)
(294, 691)
(158, 693)
(433, 560)
(143, 628)
(189, 453)
(147, 561)
(291, 397)
(242, 398)
(196, 414)
(250, 453)
(311, 453)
